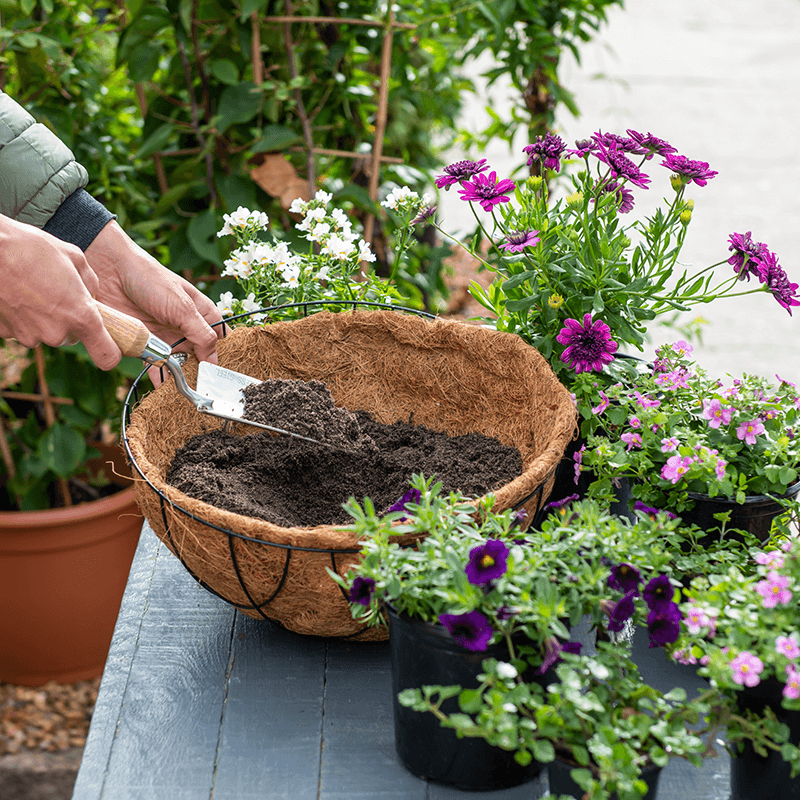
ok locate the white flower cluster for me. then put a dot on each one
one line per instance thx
(332, 231)
(245, 260)
(402, 199)
(226, 302)
(243, 220)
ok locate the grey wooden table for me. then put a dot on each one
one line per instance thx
(199, 701)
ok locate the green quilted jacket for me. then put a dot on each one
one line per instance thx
(37, 170)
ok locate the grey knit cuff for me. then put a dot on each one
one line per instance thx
(79, 219)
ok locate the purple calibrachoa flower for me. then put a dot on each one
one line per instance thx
(749, 430)
(589, 346)
(775, 590)
(472, 630)
(547, 149)
(620, 612)
(411, 496)
(746, 254)
(553, 649)
(555, 504)
(664, 624)
(792, 688)
(516, 242)
(787, 646)
(772, 274)
(746, 669)
(652, 512)
(658, 592)
(688, 170)
(676, 467)
(716, 413)
(625, 578)
(361, 590)
(487, 562)
(486, 190)
(460, 171)
(651, 144)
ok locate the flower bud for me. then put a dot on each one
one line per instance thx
(676, 181)
(555, 301)
(689, 204)
(575, 199)
(535, 182)
(685, 217)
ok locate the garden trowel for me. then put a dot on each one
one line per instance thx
(219, 390)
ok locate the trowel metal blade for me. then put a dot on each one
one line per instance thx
(224, 387)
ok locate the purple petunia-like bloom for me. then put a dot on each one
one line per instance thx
(487, 190)
(472, 630)
(411, 496)
(620, 612)
(664, 624)
(689, 170)
(772, 274)
(460, 171)
(548, 150)
(517, 241)
(487, 562)
(746, 254)
(553, 650)
(652, 145)
(589, 346)
(625, 578)
(652, 512)
(658, 592)
(361, 590)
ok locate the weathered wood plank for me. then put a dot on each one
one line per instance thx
(270, 743)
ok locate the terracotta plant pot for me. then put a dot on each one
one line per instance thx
(62, 575)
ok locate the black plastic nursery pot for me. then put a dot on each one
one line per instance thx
(755, 515)
(424, 654)
(561, 780)
(755, 777)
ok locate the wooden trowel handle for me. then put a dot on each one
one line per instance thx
(132, 337)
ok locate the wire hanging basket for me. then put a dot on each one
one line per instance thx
(390, 361)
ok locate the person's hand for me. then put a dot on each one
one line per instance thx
(134, 282)
(46, 289)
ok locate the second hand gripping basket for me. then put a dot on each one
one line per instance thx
(452, 377)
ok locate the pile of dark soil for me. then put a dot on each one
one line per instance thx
(294, 483)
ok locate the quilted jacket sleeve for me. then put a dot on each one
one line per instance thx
(38, 172)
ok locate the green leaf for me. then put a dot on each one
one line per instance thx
(143, 62)
(543, 751)
(237, 104)
(788, 475)
(185, 12)
(155, 141)
(62, 448)
(202, 235)
(276, 137)
(225, 71)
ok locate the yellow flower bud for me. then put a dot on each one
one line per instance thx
(689, 204)
(555, 301)
(535, 182)
(575, 199)
(676, 181)
(686, 217)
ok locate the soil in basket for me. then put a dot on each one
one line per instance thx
(295, 483)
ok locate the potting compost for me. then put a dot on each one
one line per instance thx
(292, 482)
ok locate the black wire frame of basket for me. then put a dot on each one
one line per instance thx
(132, 399)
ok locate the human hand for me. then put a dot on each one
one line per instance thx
(46, 288)
(134, 282)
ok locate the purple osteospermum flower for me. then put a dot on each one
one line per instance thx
(472, 631)
(361, 590)
(614, 141)
(425, 214)
(589, 346)
(621, 166)
(487, 562)
(689, 170)
(548, 150)
(624, 196)
(620, 612)
(658, 592)
(516, 242)
(460, 171)
(487, 190)
(583, 148)
(664, 624)
(651, 144)
(625, 578)
(772, 274)
(745, 253)
(746, 669)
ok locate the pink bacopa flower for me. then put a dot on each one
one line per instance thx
(643, 401)
(676, 467)
(787, 646)
(670, 445)
(632, 440)
(717, 414)
(602, 405)
(775, 590)
(749, 430)
(695, 620)
(792, 688)
(719, 468)
(635, 422)
(746, 669)
(577, 457)
(676, 379)
(774, 559)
